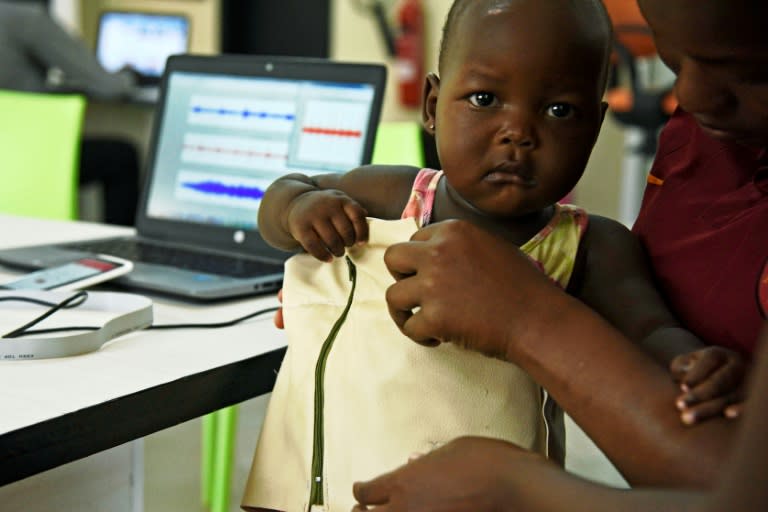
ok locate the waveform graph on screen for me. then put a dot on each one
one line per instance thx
(267, 115)
(235, 151)
(220, 190)
(331, 134)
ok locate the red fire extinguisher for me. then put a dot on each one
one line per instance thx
(409, 52)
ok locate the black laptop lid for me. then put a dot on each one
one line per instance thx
(229, 125)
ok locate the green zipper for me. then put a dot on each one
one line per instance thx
(316, 487)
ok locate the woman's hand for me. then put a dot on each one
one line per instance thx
(467, 474)
(459, 283)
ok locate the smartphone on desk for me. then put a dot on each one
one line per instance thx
(74, 275)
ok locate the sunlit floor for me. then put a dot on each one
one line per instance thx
(172, 461)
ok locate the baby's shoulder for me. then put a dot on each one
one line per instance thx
(382, 189)
(610, 252)
(603, 233)
(607, 224)
(395, 173)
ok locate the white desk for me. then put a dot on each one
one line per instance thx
(59, 410)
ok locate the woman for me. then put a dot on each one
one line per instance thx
(719, 49)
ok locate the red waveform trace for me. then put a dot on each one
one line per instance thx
(332, 131)
(233, 151)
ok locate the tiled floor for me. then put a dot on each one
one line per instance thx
(172, 461)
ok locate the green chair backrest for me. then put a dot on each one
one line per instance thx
(399, 143)
(39, 153)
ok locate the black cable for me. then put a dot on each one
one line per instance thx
(72, 301)
(216, 325)
(40, 302)
(80, 297)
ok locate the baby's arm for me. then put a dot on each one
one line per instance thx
(324, 214)
(617, 282)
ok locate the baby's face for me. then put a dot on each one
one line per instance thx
(518, 107)
(719, 50)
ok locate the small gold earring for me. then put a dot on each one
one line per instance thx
(432, 126)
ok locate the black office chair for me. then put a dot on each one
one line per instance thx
(635, 104)
(640, 107)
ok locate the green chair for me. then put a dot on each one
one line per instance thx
(39, 150)
(397, 142)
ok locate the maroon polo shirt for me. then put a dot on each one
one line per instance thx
(704, 223)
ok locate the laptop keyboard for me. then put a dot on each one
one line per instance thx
(137, 251)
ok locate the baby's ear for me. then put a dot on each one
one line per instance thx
(429, 102)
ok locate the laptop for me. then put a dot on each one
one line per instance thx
(141, 40)
(226, 127)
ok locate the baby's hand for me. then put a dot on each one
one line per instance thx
(324, 222)
(712, 383)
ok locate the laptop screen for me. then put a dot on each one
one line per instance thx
(224, 139)
(141, 40)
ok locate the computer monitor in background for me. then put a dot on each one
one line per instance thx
(299, 28)
(141, 40)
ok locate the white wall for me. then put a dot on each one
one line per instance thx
(68, 13)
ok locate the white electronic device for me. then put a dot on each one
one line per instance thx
(74, 275)
(110, 314)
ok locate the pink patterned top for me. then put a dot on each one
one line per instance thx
(553, 249)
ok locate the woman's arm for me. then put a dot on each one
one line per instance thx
(48, 43)
(476, 474)
(744, 484)
(621, 397)
(616, 281)
(458, 283)
(480, 474)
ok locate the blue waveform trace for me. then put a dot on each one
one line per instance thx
(242, 113)
(222, 189)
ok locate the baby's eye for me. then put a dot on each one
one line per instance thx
(482, 99)
(560, 110)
